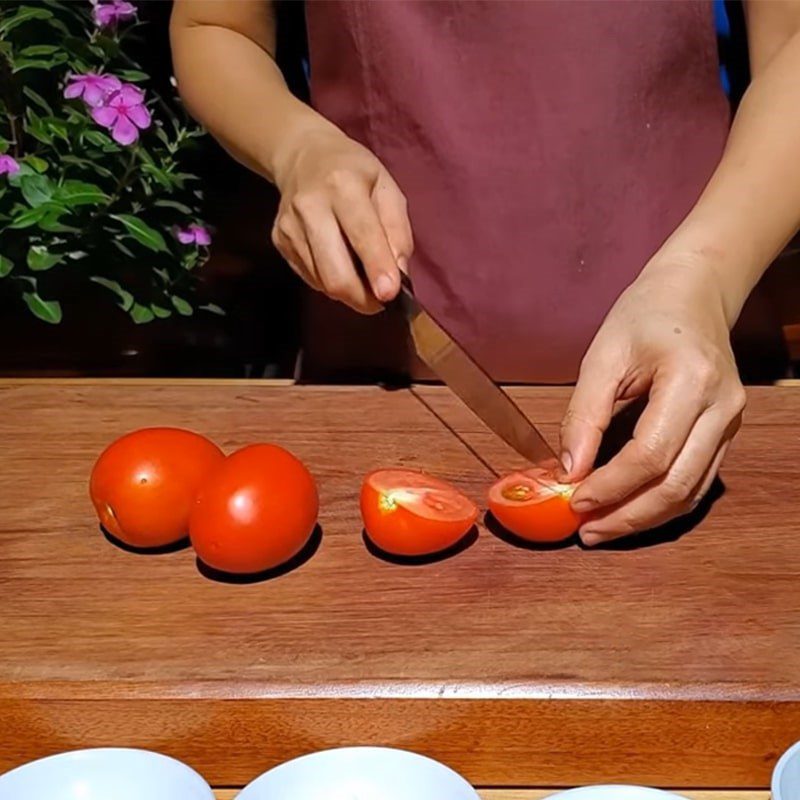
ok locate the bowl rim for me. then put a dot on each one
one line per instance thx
(65, 755)
(780, 767)
(647, 791)
(362, 749)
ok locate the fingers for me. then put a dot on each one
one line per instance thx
(289, 240)
(588, 415)
(675, 404)
(364, 230)
(392, 208)
(677, 492)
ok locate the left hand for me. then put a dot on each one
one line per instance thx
(666, 337)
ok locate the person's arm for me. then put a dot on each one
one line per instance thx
(668, 335)
(334, 193)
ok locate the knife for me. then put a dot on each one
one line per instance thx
(472, 384)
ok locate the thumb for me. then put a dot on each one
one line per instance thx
(588, 416)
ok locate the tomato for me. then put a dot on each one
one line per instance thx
(255, 511)
(534, 506)
(408, 513)
(144, 483)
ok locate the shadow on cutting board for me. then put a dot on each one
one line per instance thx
(174, 547)
(460, 546)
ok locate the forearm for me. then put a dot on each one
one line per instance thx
(231, 84)
(751, 206)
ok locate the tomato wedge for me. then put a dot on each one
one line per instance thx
(409, 513)
(534, 506)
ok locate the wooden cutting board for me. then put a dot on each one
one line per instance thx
(674, 663)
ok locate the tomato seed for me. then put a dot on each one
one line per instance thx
(519, 492)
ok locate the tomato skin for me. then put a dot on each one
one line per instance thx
(143, 484)
(418, 528)
(255, 511)
(546, 516)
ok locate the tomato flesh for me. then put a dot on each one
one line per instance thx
(534, 506)
(144, 483)
(255, 511)
(409, 513)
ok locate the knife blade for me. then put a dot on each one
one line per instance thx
(470, 382)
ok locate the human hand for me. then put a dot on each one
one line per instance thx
(337, 197)
(666, 338)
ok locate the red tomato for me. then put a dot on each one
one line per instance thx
(143, 485)
(534, 506)
(255, 511)
(408, 513)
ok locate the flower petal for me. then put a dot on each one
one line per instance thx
(105, 115)
(201, 235)
(93, 95)
(74, 89)
(139, 116)
(109, 83)
(8, 165)
(124, 131)
(130, 95)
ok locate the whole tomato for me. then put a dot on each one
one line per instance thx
(143, 484)
(255, 511)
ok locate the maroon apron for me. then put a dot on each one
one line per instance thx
(547, 149)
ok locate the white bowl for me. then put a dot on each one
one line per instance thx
(612, 792)
(786, 775)
(360, 773)
(104, 774)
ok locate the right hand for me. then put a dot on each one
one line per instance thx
(336, 196)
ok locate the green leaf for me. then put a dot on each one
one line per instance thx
(176, 205)
(37, 128)
(121, 247)
(87, 164)
(39, 50)
(38, 99)
(213, 308)
(47, 310)
(133, 75)
(141, 314)
(51, 222)
(3, 145)
(57, 127)
(160, 175)
(16, 178)
(39, 164)
(21, 64)
(39, 259)
(125, 298)
(37, 189)
(161, 313)
(142, 232)
(23, 14)
(101, 140)
(6, 265)
(181, 306)
(190, 260)
(80, 193)
(28, 217)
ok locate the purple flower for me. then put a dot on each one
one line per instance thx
(8, 165)
(194, 234)
(108, 14)
(124, 113)
(91, 87)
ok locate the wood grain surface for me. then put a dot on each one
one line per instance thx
(674, 663)
(543, 794)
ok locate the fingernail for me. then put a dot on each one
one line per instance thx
(566, 461)
(402, 263)
(582, 506)
(384, 287)
(590, 539)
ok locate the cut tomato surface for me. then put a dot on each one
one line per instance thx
(534, 506)
(410, 513)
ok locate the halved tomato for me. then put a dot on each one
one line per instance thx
(409, 513)
(534, 506)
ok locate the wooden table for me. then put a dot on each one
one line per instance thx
(676, 663)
